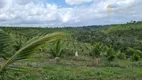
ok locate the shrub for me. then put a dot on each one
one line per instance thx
(57, 49)
(135, 57)
(121, 55)
(96, 51)
(109, 53)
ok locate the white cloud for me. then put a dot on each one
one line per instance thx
(2, 3)
(22, 2)
(73, 2)
(27, 13)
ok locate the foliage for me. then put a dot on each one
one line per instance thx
(57, 49)
(132, 51)
(135, 57)
(120, 43)
(121, 55)
(5, 43)
(109, 53)
(31, 47)
(96, 50)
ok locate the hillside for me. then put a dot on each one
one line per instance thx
(71, 53)
(126, 30)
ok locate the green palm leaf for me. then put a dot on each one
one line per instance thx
(57, 49)
(96, 50)
(31, 47)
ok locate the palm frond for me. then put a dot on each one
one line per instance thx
(57, 49)
(31, 47)
(96, 50)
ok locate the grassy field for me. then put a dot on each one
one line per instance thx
(74, 68)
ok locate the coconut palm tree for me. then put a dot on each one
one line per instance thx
(57, 49)
(132, 51)
(109, 54)
(96, 51)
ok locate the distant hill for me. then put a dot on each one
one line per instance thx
(125, 30)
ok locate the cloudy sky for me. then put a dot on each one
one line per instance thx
(68, 12)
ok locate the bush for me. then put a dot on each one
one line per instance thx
(135, 57)
(110, 53)
(121, 55)
(57, 49)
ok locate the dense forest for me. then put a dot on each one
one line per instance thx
(103, 52)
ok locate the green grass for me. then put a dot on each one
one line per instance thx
(46, 69)
(59, 72)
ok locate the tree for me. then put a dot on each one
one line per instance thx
(96, 51)
(132, 51)
(109, 54)
(57, 49)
